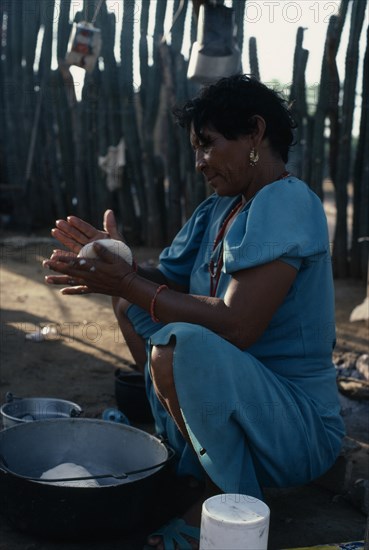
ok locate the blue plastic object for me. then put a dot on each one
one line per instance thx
(114, 415)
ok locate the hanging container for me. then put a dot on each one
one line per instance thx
(215, 54)
(84, 46)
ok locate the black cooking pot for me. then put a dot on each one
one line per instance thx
(130, 465)
(130, 395)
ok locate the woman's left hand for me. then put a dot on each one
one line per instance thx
(74, 233)
(107, 275)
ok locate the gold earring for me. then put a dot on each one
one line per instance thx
(254, 157)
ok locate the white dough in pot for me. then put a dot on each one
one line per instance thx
(70, 470)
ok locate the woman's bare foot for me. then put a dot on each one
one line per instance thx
(192, 518)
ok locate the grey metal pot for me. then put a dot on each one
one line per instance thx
(129, 464)
(21, 410)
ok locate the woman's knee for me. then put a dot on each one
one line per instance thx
(161, 365)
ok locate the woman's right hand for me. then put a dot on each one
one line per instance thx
(74, 233)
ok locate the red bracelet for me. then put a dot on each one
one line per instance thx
(134, 266)
(153, 302)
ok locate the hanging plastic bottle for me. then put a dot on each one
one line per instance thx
(84, 46)
(85, 43)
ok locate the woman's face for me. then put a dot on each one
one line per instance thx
(224, 162)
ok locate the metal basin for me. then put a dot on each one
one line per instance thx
(22, 410)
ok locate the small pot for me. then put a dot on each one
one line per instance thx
(129, 465)
(130, 395)
(21, 410)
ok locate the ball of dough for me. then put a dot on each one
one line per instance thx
(116, 247)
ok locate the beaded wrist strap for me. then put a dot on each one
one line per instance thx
(153, 302)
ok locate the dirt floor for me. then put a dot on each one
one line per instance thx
(78, 363)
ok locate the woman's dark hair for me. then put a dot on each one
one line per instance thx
(230, 105)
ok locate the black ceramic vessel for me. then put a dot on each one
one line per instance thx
(130, 395)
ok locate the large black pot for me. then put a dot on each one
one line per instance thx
(130, 465)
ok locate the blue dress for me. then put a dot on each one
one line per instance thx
(267, 416)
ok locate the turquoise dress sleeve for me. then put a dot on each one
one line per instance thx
(178, 259)
(284, 221)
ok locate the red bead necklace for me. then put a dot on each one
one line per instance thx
(215, 268)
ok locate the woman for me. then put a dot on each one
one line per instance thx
(238, 317)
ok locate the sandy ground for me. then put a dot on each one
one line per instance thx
(78, 363)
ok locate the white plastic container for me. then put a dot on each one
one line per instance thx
(234, 522)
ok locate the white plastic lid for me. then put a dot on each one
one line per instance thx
(236, 509)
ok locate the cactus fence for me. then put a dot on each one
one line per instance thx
(50, 143)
